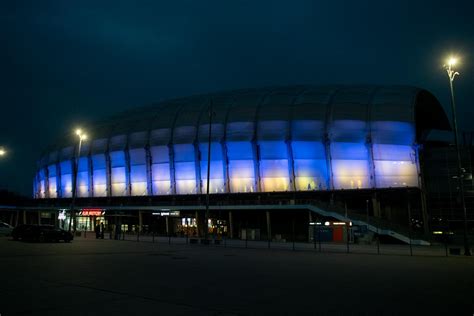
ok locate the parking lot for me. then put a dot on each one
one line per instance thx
(101, 277)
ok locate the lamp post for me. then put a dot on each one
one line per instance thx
(82, 136)
(206, 215)
(449, 66)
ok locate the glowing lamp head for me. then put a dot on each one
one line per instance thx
(3, 152)
(452, 61)
(78, 132)
(83, 136)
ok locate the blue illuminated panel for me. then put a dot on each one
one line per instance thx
(66, 178)
(160, 170)
(216, 184)
(241, 167)
(41, 187)
(310, 165)
(350, 165)
(138, 177)
(118, 177)
(395, 166)
(185, 168)
(394, 157)
(274, 166)
(99, 175)
(52, 181)
(83, 177)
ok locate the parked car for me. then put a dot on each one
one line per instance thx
(19, 230)
(42, 233)
(5, 229)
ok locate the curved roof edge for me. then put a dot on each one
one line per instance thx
(427, 112)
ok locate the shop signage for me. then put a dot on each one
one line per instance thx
(92, 212)
(45, 215)
(167, 213)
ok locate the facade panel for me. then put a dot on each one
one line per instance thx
(66, 178)
(160, 169)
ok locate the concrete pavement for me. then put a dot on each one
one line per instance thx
(106, 277)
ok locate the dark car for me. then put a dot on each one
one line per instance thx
(19, 230)
(46, 233)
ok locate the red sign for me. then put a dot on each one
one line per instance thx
(92, 212)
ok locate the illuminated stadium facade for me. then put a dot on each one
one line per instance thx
(266, 140)
(285, 139)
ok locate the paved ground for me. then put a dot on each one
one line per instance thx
(103, 277)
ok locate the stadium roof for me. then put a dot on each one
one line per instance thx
(179, 120)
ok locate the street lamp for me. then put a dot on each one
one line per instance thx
(449, 66)
(82, 137)
(3, 152)
(206, 214)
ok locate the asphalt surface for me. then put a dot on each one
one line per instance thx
(106, 277)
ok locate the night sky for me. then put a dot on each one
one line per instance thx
(64, 63)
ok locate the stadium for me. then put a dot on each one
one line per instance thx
(300, 154)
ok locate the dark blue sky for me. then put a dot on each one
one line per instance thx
(68, 62)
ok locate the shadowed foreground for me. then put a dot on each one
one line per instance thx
(102, 277)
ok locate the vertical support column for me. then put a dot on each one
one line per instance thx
(327, 140)
(140, 221)
(200, 229)
(231, 226)
(39, 217)
(46, 182)
(256, 165)
(327, 151)
(256, 147)
(291, 165)
(225, 165)
(167, 225)
(108, 172)
(269, 226)
(128, 181)
(369, 143)
(225, 156)
(59, 188)
(376, 205)
(172, 168)
(197, 167)
(24, 217)
(370, 151)
(17, 218)
(90, 171)
(288, 140)
(149, 169)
